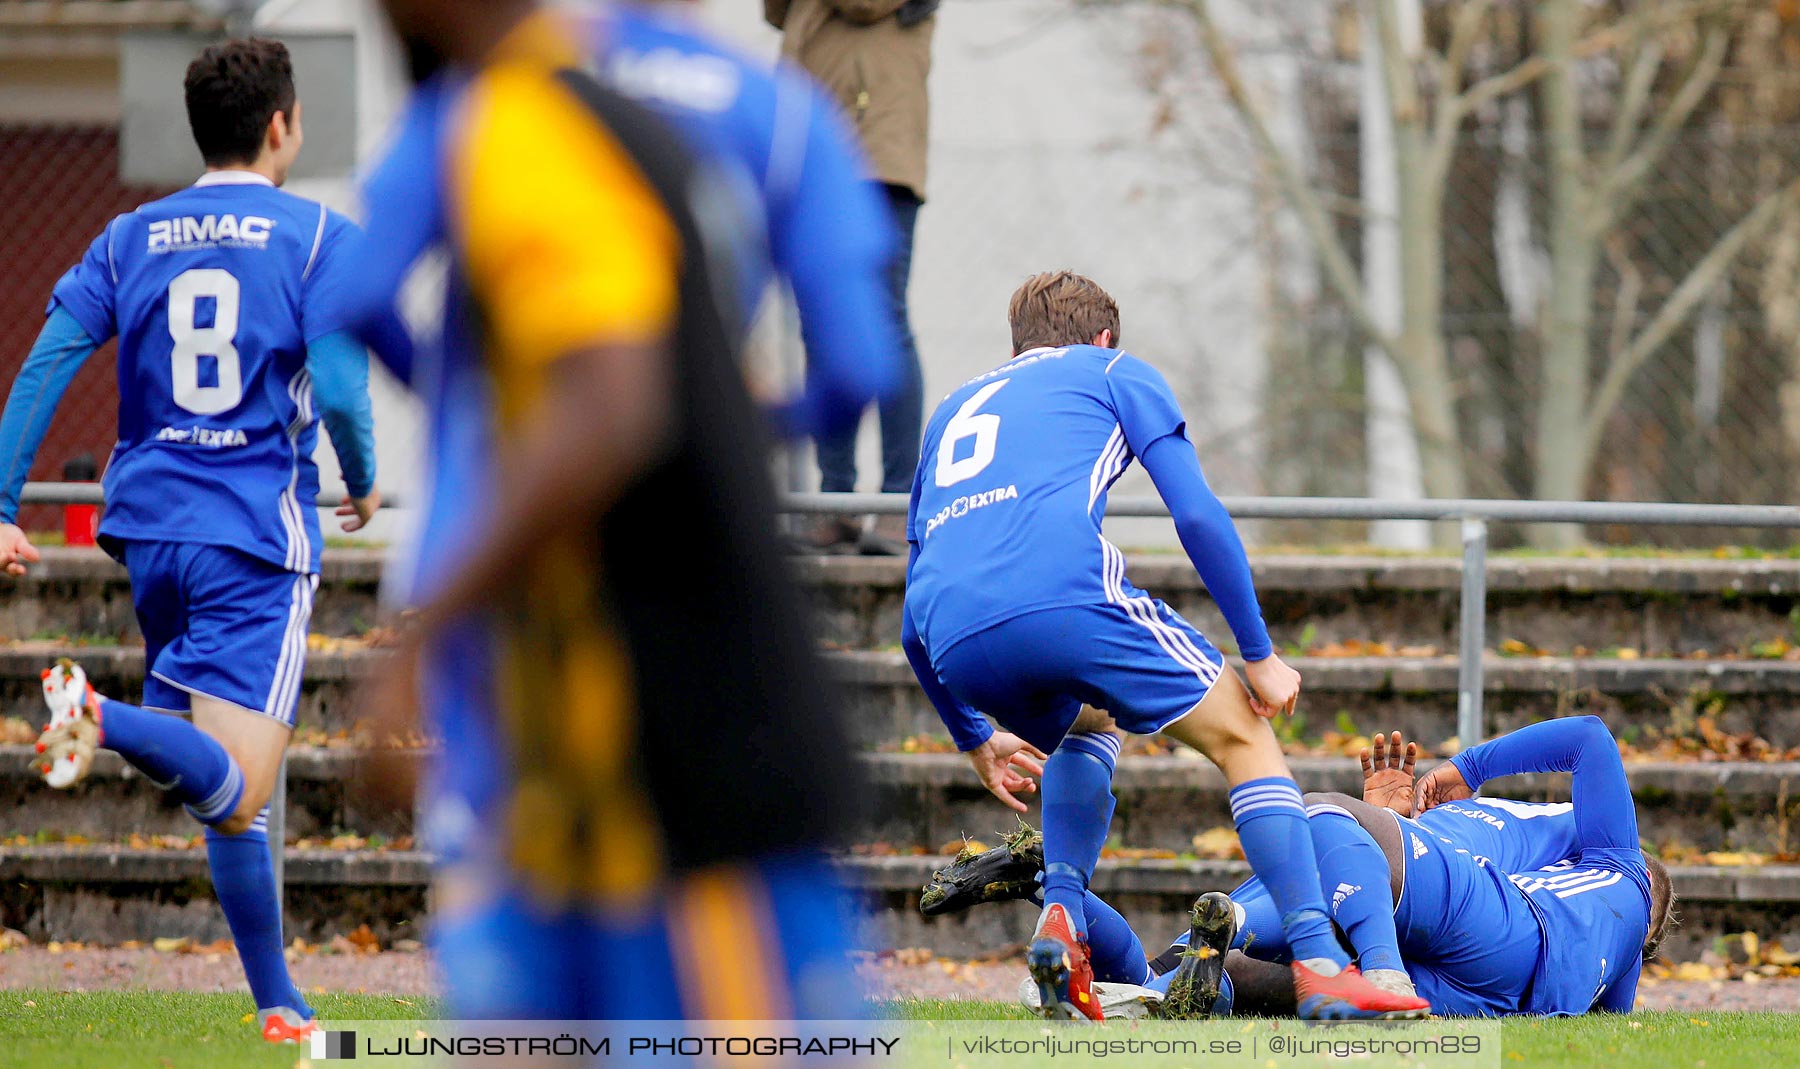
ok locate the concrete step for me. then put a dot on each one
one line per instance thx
(326, 691)
(1416, 695)
(83, 592)
(116, 798)
(929, 800)
(1656, 606)
(1163, 802)
(110, 894)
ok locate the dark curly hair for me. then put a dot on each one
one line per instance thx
(233, 89)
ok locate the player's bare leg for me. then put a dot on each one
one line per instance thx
(256, 742)
(1226, 728)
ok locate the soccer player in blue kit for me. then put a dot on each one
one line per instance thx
(1497, 907)
(228, 302)
(1017, 606)
(780, 145)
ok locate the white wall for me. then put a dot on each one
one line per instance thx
(1049, 148)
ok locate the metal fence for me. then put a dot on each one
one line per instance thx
(1473, 515)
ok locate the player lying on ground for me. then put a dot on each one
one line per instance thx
(1017, 606)
(226, 299)
(1479, 941)
(1516, 836)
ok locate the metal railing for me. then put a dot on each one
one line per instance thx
(1474, 515)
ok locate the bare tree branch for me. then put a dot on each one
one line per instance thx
(1340, 271)
(1619, 187)
(1686, 297)
(1640, 68)
(1448, 113)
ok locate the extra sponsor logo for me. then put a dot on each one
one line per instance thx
(208, 437)
(968, 503)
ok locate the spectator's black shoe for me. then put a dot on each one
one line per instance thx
(1195, 985)
(1005, 873)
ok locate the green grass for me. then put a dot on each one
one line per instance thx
(160, 1029)
(164, 1030)
(1648, 1040)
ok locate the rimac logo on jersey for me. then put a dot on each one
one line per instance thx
(209, 231)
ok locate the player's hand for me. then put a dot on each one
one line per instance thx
(359, 511)
(1002, 763)
(1388, 773)
(1274, 687)
(16, 550)
(1442, 784)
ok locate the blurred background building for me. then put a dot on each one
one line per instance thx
(1380, 247)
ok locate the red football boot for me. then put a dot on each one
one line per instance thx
(1059, 966)
(1349, 996)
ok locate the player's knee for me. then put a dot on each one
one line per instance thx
(236, 824)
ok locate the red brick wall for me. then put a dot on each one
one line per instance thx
(59, 185)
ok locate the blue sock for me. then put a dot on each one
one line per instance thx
(1114, 949)
(243, 877)
(177, 756)
(1353, 873)
(1078, 808)
(1272, 828)
(1260, 936)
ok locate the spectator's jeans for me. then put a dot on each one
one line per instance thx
(902, 414)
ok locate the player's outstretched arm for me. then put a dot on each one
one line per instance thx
(1605, 815)
(340, 372)
(61, 348)
(831, 237)
(1213, 545)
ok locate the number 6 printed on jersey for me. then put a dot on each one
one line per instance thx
(969, 422)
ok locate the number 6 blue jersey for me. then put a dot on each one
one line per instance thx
(1011, 488)
(214, 293)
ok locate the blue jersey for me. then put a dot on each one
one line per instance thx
(214, 293)
(1563, 938)
(814, 215)
(1011, 488)
(1512, 836)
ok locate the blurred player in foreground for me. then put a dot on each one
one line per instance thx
(227, 302)
(1017, 606)
(815, 219)
(640, 766)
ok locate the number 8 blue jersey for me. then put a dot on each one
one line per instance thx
(214, 293)
(1011, 488)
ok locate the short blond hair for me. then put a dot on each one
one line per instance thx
(1060, 308)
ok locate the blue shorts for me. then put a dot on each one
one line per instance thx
(1141, 662)
(766, 941)
(1470, 941)
(219, 624)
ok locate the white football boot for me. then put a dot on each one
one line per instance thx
(66, 748)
